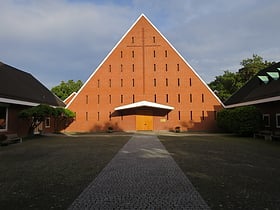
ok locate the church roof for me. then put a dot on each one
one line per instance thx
(142, 16)
(263, 87)
(19, 87)
(144, 104)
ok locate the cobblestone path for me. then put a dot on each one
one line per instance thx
(142, 175)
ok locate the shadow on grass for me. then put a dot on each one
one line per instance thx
(50, 172)
(230, 172)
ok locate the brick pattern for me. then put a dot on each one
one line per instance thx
(144, 66)
(142, 175)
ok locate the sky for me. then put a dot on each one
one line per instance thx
(61, 40)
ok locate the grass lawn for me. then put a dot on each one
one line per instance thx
(230, 172)
(50, 172)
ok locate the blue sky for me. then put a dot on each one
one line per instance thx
(59, 40)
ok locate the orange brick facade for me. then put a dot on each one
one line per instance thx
(144, 66)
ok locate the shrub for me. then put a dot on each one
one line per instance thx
(244, 121)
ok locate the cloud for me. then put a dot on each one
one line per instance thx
(220, 34)
(59, 40)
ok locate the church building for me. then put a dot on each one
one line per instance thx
(144, 84)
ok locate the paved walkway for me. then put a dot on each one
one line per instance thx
(142, 175)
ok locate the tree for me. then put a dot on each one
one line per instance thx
(64, 89)
(251, 66)
(225, 85)
(63, 118)
(36, 115)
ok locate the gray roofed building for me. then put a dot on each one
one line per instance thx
(263, 87)
(19, 90)
(20, 87)
(263, 92)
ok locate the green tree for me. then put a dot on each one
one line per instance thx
(251, 66)
(64, 89)
(225, 85)
(37, 114)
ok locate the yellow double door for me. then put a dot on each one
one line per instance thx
(144, 121)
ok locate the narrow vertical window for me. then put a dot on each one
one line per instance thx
(132, 67)
(155, 82)
(121, 67)
(191, 117)
(47, 122)
(266, 120)
(132, 54)
(110, 83)
(190, 98)
(110, 116)
(133, 98)
(179, 115)
(75, 116)
(203, 117)
(178, 82)
(277, 120)
(202, 98)
(133, 83)
(179, 98)
(166, 67)
(166, 82)
(154, 53)
(166, 98)
(86, 99)
(155, 67)
(154, 39)
(132, 39)
(190, 82)
(98, 116)
(178, 67)
(166, 53)
(98, 83)
(121, 82)
(155, 98)
(110, 68)
(110, 99)
(121, 98)
(86, 116)
(167, 116)
(98, 99)
(121, 54)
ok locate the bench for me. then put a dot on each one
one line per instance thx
(276, 135)
(267, 135)
(11, 139)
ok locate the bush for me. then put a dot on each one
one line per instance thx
(244, 121)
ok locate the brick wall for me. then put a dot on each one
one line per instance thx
(144, 66)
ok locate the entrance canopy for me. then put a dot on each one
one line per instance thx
(144, 104)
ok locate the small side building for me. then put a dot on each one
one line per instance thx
(262, 91)
(20, 90)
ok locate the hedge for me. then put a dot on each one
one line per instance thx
(243, 121)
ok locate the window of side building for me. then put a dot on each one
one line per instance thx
(266, 120)
(278, 120)
(48, 122)
(3, 118)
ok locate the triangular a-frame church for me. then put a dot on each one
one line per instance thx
(144, 84)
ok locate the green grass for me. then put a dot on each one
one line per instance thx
(50, 172)
(230, 172)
